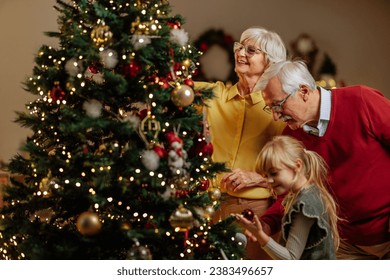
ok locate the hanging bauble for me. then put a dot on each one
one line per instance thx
(204, 185)
(109, 58)
(186, 63)
(101, 35)
(241, 239)
(181, 219)
(202, 247)
(174, 25)
(149, 130)
(150, 159)
(202, 148)
(139, 252)
(73, 67)
(93, 108)
(208, 211)
(142, 113)
(132, 69)
(248, 214)
(46, 186)
(189, 82)
(182, 96)
(88, 223)
(160, 151)
(179, 36)
(57, 94)
(140, 41)
(92, 73)
(214, 194)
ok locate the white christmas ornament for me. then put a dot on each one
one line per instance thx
(109, 58)
(168, 194)
(150, 159)
(179, 36)
(93, 108)
(140, 41)
(133, 120)
(73, 67)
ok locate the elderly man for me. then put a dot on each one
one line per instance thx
(350, 128)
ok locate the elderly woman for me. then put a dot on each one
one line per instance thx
(239, 127)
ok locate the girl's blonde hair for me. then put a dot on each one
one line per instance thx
(285, 150)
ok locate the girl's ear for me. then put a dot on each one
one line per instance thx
(298, 165)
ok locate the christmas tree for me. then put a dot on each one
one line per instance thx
(118, 164)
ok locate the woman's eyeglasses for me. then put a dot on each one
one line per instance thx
(249, 49)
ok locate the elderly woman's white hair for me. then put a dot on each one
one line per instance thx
(268, 41)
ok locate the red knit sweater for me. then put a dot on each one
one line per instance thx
(356, 147)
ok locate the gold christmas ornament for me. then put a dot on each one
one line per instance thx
(182, 219)
(208, 212)
(186, 63)
(214, 194)
(149, 130)
(139, 252)
(101, 35)
(88, 223)
(182, 96)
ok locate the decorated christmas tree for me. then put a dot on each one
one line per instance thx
(117, 165)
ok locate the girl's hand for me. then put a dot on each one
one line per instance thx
(254, 230)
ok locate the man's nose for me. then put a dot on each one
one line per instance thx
(276, 115)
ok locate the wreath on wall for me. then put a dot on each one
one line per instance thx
(225, 42)
(319, 64)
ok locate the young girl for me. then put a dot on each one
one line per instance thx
(309, 225)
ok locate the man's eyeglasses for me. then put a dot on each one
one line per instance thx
(278, 108)
(249, 49)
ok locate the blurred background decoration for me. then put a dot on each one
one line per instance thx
(319, 63)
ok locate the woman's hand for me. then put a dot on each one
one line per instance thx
(239, 179)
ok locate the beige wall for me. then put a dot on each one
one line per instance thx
(355, 33)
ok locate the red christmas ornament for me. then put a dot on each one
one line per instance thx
(142, 114)
(201, 147)
(131, 70)
(160, 151)
(177, 66)
(189, 82)
(174, 25)
(57, 94)
(181, 193)
(248, 214)
(162, 82)
(172, 137)
(204, 185)
(93, 69)
(207, 149)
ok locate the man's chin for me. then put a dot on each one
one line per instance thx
(292, 125)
